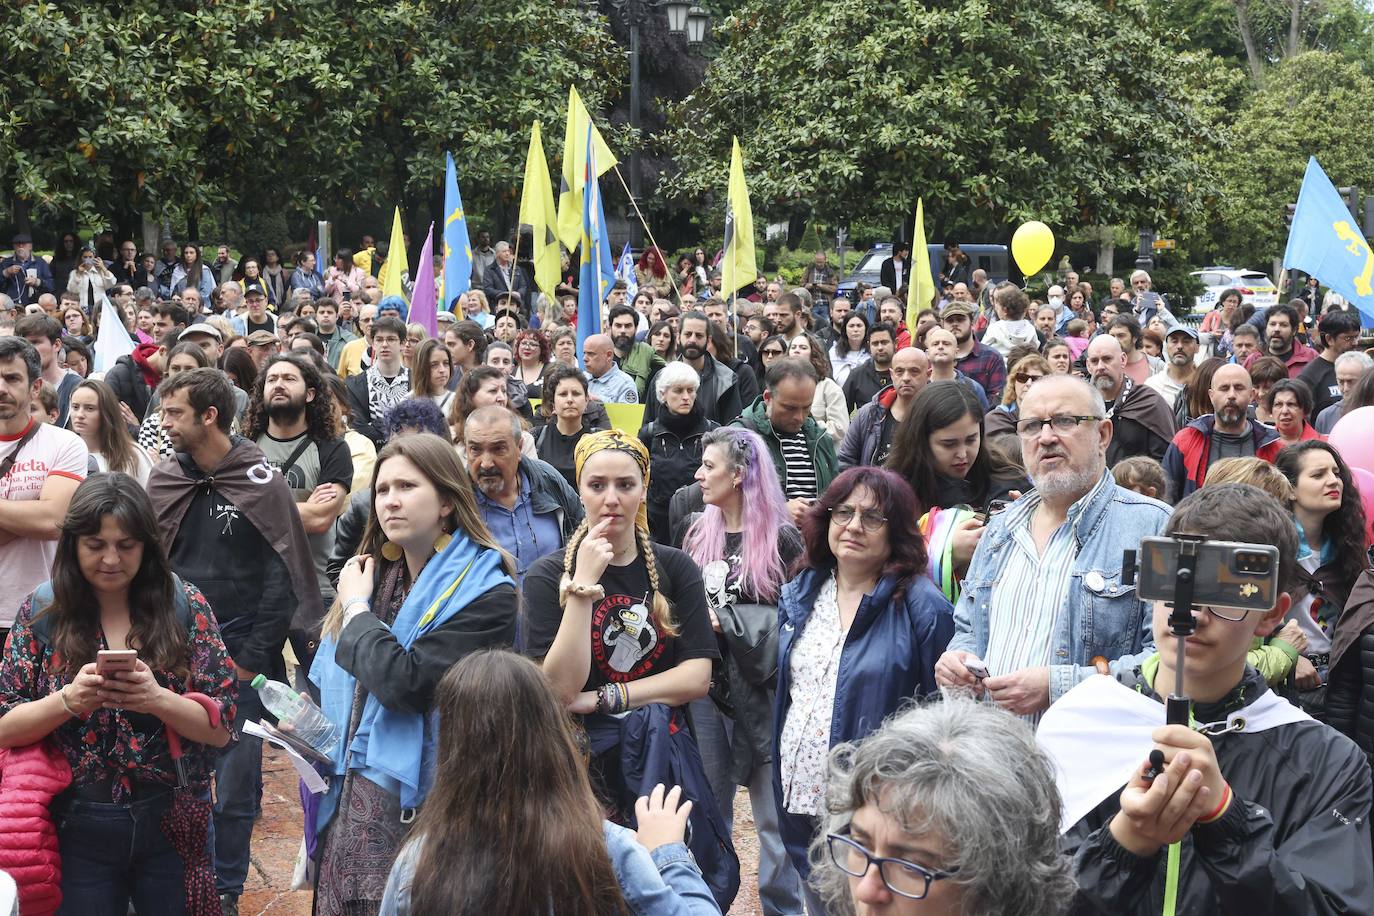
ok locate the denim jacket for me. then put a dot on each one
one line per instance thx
(665, 882)
(1104, 616)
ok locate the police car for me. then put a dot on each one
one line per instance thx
(1254, 287)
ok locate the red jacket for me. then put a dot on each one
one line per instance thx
(1297, 360)
(1186, 461)
(32, 777)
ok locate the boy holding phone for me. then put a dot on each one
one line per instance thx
(1270, 808)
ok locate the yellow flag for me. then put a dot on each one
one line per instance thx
(395, 264)
(738, 268)
(574, 166)
(536, 211)
(920, 293)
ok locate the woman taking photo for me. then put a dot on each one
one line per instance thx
(431, 369)
(1289, 405)
(429, 586)
(1027, 371)
(508, 755)
(563, 403)
(191, 271)
(1331, 556)
(860, 629)
(850, 349)
(125, 833)
(343, 277)
(90, 279)
(531, 358)
(619, 621)
(1217, 323)
(828, 407)
(94, 415)
(674, 442)
(744, 567)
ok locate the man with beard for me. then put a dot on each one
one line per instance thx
(1063, 544)
(718, 393)
(1281, 324)
(803, 452)
(42, 465)
(1227, 432)
(1180, 347)
(1142, 421)
(636, 359)
(384, 384)
(291, 418)
(230, 529)
(982, 364)
(528, 506)
(840, 310)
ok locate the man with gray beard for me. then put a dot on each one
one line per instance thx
(526, 503)
(1043, 599)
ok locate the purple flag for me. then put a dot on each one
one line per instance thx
(424, 300)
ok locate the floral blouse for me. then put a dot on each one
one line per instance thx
(112, 744)
(804, 745)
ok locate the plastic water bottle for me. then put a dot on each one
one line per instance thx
(297, 715)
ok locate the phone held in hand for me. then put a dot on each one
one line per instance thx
(976, 668)
(109, 661)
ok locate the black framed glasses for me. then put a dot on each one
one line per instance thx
(868, 519)
(903, 878)
(772, 351)
(1023, 377)
(1030, 427)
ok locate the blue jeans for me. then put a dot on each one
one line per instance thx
(238, 799)
(116, 853)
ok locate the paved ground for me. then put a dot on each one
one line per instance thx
(277, 838)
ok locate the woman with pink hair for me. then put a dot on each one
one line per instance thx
(744, 566)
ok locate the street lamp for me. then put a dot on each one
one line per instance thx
(684, 18)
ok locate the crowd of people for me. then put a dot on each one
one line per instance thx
(562, 606)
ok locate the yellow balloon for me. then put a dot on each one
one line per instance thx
(1032, 246)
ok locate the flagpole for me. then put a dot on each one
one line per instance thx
(647, 231)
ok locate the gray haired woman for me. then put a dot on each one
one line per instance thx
(673, 439)
(949, 808)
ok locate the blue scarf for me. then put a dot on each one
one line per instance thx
(394, 749)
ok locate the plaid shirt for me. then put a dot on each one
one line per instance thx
(986, 367)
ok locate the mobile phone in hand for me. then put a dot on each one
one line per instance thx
(976, 668)
(109, 661)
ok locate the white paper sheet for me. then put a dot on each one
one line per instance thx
(313, 780)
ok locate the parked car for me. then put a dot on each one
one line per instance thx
(1254, 287)
(991, 258)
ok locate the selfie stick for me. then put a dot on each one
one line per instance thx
(1183, 625)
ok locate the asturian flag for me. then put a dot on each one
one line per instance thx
(625, 271)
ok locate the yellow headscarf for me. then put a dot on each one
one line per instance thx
(620, 441)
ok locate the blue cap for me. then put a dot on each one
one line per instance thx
(1183, 329)
(394, 304)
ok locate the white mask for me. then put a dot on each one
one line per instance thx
(1056, 301)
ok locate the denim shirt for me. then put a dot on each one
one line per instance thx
(665, 882)
(1104, 617)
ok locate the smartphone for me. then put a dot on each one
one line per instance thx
(1226, 574)
(976, 668)
(108, 661)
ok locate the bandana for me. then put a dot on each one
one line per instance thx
(620, 441)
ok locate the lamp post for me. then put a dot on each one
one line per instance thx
(684, 18)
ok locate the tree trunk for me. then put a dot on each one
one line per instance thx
(1294, 27)
(1247, 36)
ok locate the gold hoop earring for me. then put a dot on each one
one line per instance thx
(442, 541)
(392, 551)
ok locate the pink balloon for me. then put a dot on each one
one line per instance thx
(1353, 437)
(1364, 483)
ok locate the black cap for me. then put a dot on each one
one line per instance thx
(22, 238)
(253, 286)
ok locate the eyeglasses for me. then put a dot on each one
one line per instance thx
(1030, 428)
(903, 878)
(1024, 377)
(1233, 614)
(868, 519)
(772, 351)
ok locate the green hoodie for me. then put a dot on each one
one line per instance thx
(818, 444)
(640, 364)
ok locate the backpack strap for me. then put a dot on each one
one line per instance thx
(41, 625)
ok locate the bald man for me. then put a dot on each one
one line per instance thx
(606, 380)
(943, 349)
(1227, 432)
(870, 432)
(1142, 421)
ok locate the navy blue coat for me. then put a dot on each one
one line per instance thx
(888, 658)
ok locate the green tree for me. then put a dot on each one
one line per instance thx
(992, 111)
(1307, 106)
(112, 110)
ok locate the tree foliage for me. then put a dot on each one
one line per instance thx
(1306, 107)
(137, 106)
(992, 110)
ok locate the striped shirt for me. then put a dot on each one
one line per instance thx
(801, 472)
(1034, 587)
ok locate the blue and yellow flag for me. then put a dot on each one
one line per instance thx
(1326, 242)
(598, 268)
(457, 245)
